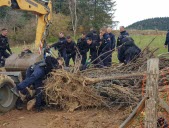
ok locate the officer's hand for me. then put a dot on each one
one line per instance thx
(165, 46)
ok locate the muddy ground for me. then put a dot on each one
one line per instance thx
(91, 118)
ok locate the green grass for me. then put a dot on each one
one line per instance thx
(141, 40)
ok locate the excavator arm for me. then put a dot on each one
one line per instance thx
(44, 13)
(5, 3)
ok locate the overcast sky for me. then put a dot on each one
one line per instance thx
(130, 11)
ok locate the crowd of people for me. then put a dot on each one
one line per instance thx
(99, 45)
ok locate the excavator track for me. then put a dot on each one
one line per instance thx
(7, 98)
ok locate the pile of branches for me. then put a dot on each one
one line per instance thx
(117, 85)
(74, 90)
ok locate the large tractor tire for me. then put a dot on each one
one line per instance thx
(7, 98)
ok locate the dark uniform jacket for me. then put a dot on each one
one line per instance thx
(70, 48)
(113, 40)
(167, 38)
(94, 36)
(60, 45)
(93, 50)
(47, 65)
(120, 38)
(106, 44)
(128, 50)
(4, 44)
(82, 46)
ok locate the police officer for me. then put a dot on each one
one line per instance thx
(113, 42)
(167, 41)
(70, 50)
(123, 34)
(35, 74)
(93, 51)
(60, 45)
(93, 35)
(83, 48)
(112, 37)
(128, 50)
(105, 50)
(4, 45)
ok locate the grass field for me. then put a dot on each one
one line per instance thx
(141, 40)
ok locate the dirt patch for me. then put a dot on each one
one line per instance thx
(93, 118)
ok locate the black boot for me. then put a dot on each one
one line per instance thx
(19, 104)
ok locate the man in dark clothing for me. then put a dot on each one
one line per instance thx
(60, 45)
(83, 48)
(93, 35)
(70, 50)
(113, 42)
(123, 34)
(167, 40)
(112, 37)
(35, 74)
(128, 50)
(93, 51)
(4, 45)
(105, 47)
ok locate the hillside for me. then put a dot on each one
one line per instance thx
(161, 23)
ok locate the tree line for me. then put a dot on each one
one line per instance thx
(159, 23)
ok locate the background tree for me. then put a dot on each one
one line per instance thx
(159, 23)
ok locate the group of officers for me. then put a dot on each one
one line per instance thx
(100, 47)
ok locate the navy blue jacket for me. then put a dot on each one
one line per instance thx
(113, 40)
(94, 36)
(128, 50)
(106, 44)
(60, 45)
(70, 48)
(120, 38)
(82, 46)
(93, 50)
(167, 38)
(4, 44)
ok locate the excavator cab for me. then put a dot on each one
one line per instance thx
(16, 65)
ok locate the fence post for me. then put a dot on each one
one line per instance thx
(151, 103)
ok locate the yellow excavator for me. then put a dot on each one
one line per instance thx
(16, 65)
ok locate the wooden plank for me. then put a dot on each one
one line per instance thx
(134, 114)
(151, 103)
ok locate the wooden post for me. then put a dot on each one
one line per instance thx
(151, 104)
